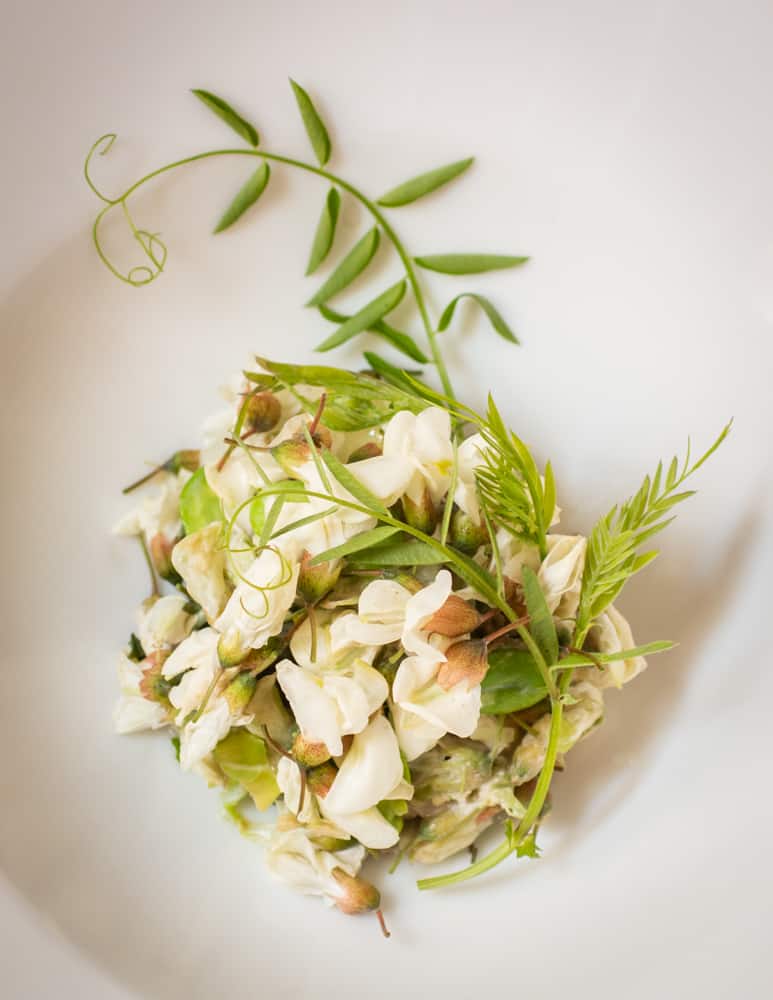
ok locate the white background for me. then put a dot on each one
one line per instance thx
(628, 148)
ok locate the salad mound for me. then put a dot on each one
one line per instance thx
(371, 639)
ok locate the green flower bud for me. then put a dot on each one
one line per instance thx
(239, 692)
(466, 534)
(291, 455)
(316, 581)
(331, 843)
(423, 514)
(262, 412)
(188, 459)
(231, 649)
(371, 449)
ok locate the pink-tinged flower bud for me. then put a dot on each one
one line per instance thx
(358, 896)
(371, 449)
(316, 581)
(160, 549)
(239, 693)
(465, 661)
(466, 534)
(423, 514)
(262, 412)
(456, 617)
(153, 685)
(309, 754)
(187, 458)
(319, 779)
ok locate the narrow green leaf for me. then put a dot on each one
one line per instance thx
(512, 682)
(271, 518)
(541, 624)
(648, 649)
(366, 317)
(495, 317)
(468, 263)
(402, 341)
(224, 110)
(315, 129)
(199, 504)
(326, 228)
(401, 553)
(353, 264)
(303, 521)
(391, 373)
(351, 483)
(248, 194)
(365, 540)
(417, 187)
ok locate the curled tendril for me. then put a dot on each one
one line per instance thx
(102, 146)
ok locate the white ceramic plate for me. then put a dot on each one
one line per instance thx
(629, 149)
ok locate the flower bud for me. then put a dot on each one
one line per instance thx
(239, 692)
(153, 685)
(187, 458)
(357, 896)
(421, 514)
(262, 412)
(291, 455)
(371, 449)
(466, 534)
(456, 617)
(320, 778)
(231, 649)
(316, 581)
(465, 661)
(160, 549)
(309, 754)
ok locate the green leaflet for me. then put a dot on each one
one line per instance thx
(402, 341)
(353, 264)
(351, 483)
(389, 372)
(375, 310)
(581, 660)
(417, 187)
(315, 128)
(468, 263)
(224, 111)
(541, 624)
(326, 228)
(403, 553)
(247, 195)
(199, 505)
(512, 682)
(494, 316)
(242, 758)
(364, 540)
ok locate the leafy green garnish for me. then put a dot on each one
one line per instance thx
(393, 811)
(136, 652)
(417, 187)
(224, 111)
(353, 264)
(242, 758)
(364, 319)
(404, 342)
(405, 553)
(494, 316)
(199, 504)
(248, 194)
(365, 540)
(541, 624)
(175, 741)
(513, 682)
(468, 263)
(613, 555)
(326, 228)
(315, 129)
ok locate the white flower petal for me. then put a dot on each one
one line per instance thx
(370, 770)
(315, 711)
(560, 574)
(200, 738)
(419, 609)
(414, 734)
(611, 633)
(163, 623)
(199, 648)
(133, 713)
(200, 559)
(288, 777)
(292, 857)
(369, 827)
(257, 608)
(414, 688)
(386, 477)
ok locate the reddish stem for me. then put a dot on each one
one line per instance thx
(384, 930)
